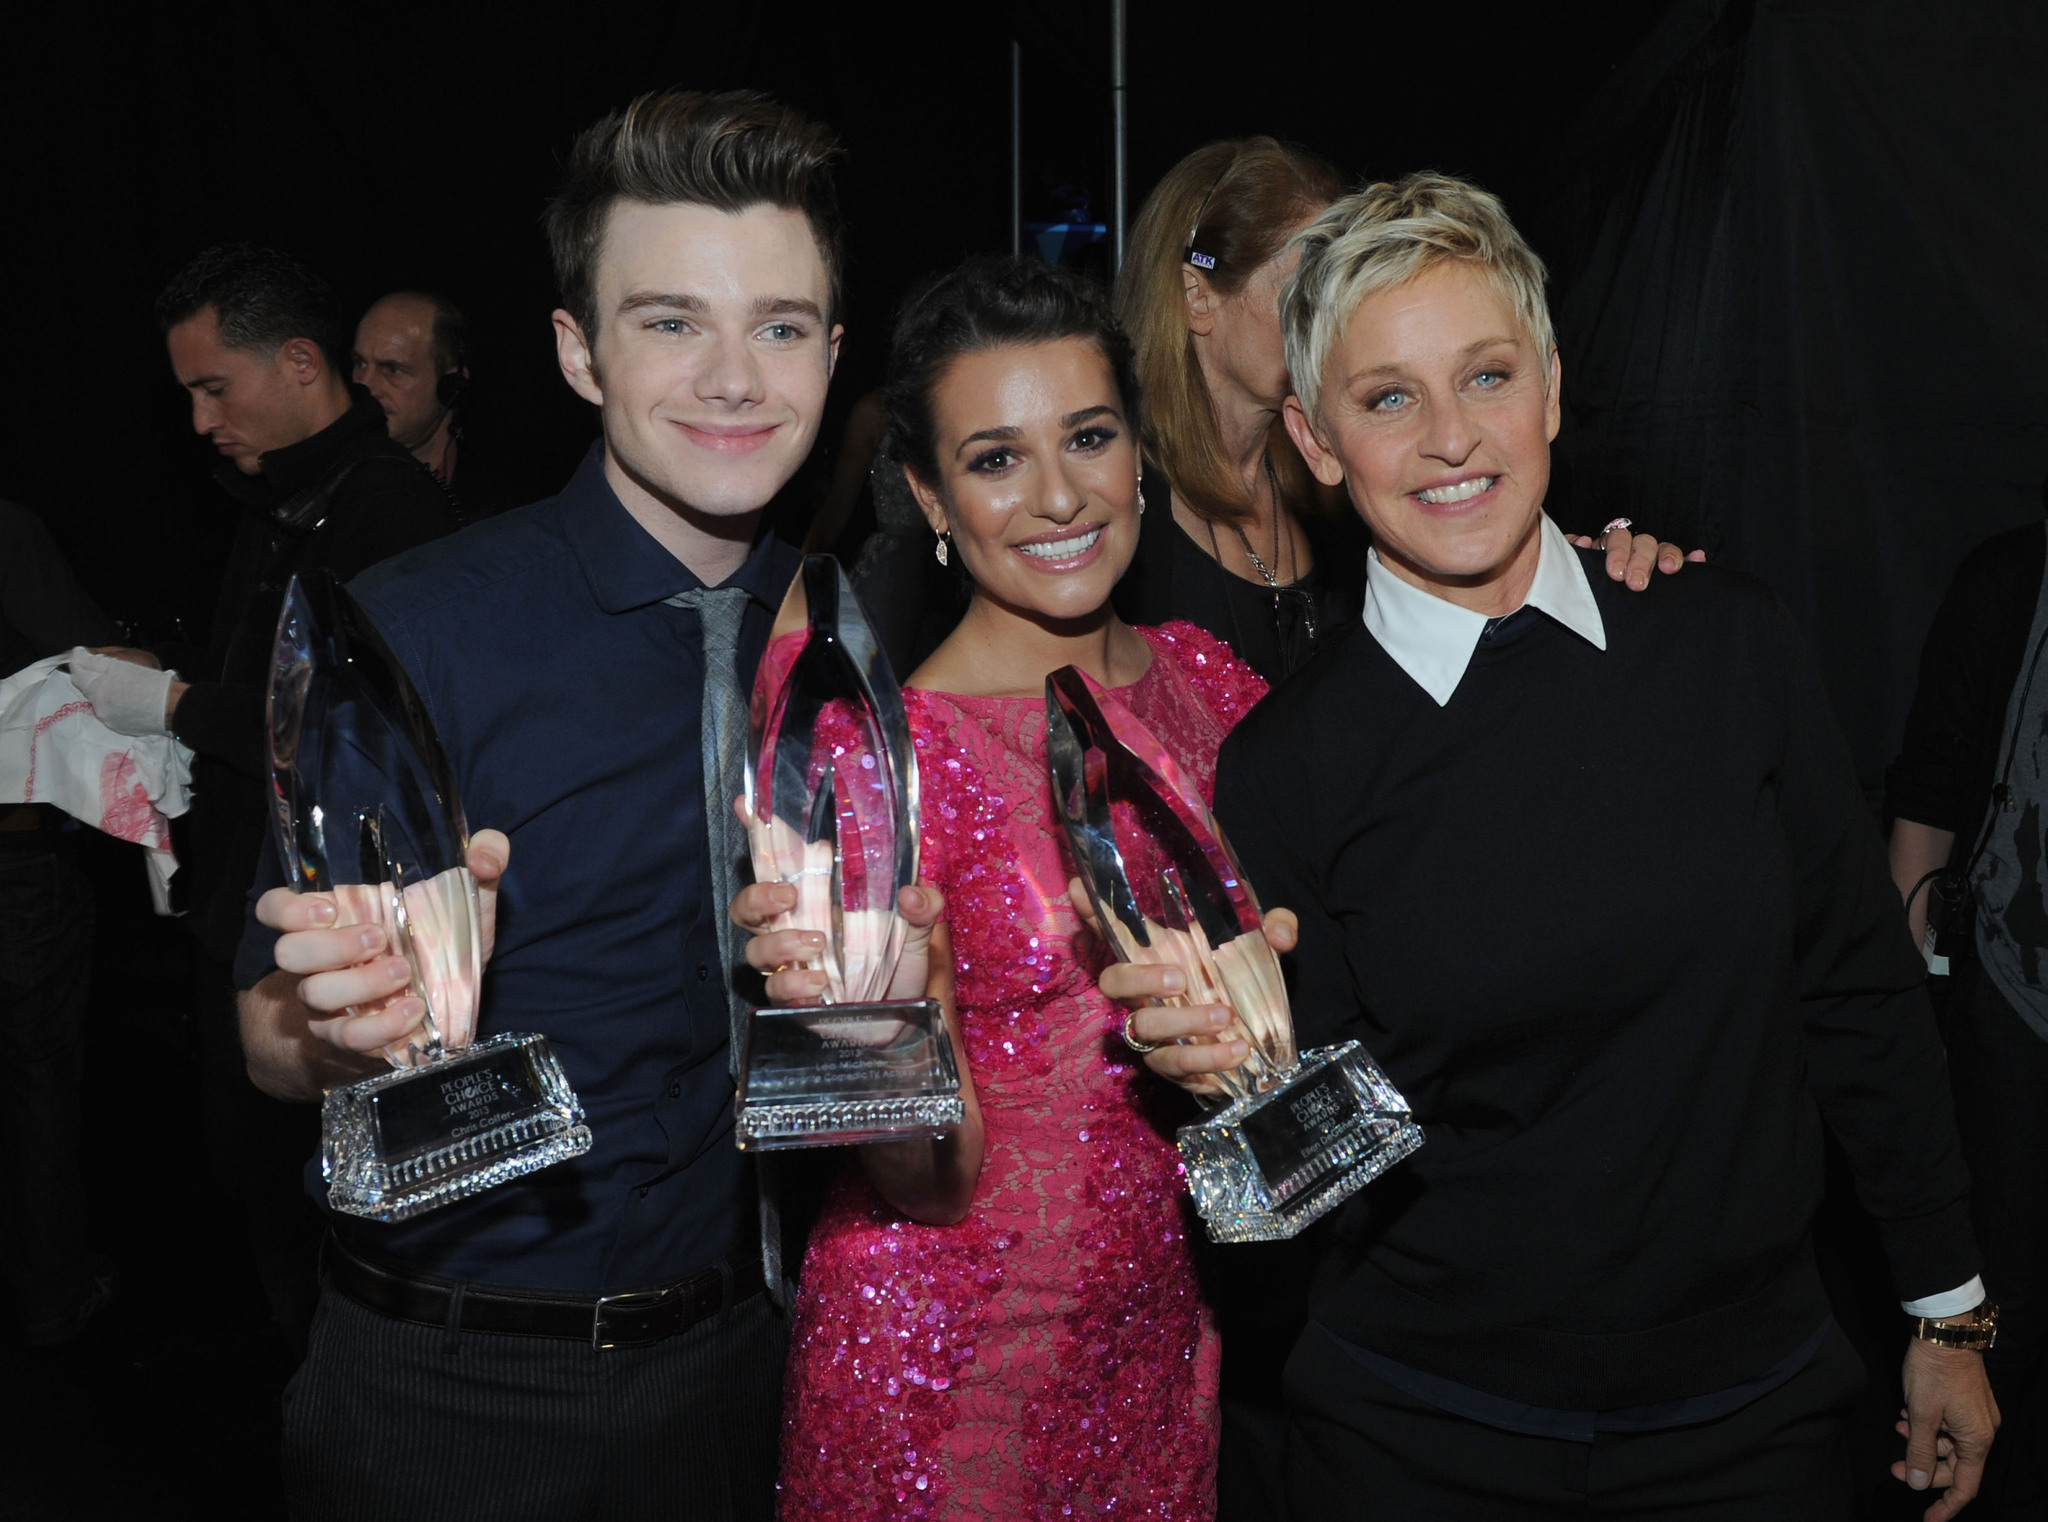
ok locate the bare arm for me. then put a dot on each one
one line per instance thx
(930, 1181)
(1916, 850)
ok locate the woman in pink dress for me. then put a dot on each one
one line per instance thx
(1008, 1323)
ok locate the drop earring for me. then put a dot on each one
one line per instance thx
(1141, 488)
(940, 549)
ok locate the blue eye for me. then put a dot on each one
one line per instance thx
(1387, 401)
(1490, 378)
(784, 332)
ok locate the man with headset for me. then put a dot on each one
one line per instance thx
(412, 354)
(1966, 799)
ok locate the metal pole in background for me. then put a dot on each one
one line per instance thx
(1119, 84)
(1016, 148)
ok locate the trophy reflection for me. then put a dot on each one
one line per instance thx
(364, 808)
(1299, 1133)
(831, 807)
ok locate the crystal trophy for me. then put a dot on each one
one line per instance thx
(1297, 1135)
(364, 807)
(831, 807)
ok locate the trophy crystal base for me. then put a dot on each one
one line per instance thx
(1271, 1163)
(459, 1122)
(834, 1075)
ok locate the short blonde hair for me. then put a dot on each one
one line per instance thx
(1385, 236)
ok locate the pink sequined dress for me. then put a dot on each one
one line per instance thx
(1050, 1355)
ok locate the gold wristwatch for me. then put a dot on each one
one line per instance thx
(1973, 1331)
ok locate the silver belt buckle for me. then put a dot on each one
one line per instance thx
(599, 1341)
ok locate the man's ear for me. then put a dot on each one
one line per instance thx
(302, 360)
(1323, 464)
(1200, 301)
(832, 353)
(928, 501)
(578, 362)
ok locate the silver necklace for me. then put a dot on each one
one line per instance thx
(1271, 579)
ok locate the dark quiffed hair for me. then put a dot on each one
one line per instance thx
(729, 150)
(990, 303)
(263, 299)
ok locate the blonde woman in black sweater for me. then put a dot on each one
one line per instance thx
(1592, 1292)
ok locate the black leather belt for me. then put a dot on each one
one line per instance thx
(634, 1319)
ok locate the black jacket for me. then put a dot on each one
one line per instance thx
(43, 609)
(1948, 758)
(342, 500)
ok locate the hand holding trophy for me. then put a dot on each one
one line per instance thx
(364, 809)
(1300, 1133)
(831, 808)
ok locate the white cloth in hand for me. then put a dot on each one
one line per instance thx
(127, 698)
(54, 749)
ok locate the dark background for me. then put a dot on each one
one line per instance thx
(417, 145)
(1797, 249)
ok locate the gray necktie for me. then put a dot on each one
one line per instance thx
(726, 700)
(719, 610)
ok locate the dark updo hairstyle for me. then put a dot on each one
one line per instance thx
(990, 303)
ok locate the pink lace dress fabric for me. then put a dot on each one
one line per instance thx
(1050, 1355)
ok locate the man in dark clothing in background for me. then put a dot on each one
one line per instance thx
(256, 338)
(46, 921)
(1965, 797)
(412, 354)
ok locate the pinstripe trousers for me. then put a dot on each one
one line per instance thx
(389, 1421)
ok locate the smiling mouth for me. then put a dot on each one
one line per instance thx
(1071, 548)
(1463, 491)
(728, 443)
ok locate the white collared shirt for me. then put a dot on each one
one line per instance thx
(1433, 640)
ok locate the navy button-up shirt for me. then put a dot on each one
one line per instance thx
(568, 696)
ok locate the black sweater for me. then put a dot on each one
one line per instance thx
(1620, 927)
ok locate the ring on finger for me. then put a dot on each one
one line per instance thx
(1131, 1041)
(1612, 526)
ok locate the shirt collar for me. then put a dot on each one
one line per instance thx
(1433, 640)
(629, 568)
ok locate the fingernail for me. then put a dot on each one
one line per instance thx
(1639, 581)
(320, 911)
(1172, 981)
(370, 937)
(1917, 1478)
(1218, 1018)
(815, 939)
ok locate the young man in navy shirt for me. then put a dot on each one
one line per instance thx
(477, 1360)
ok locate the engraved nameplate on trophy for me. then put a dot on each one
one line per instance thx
(831, 808)
(1297, 1135)
(364, 807)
